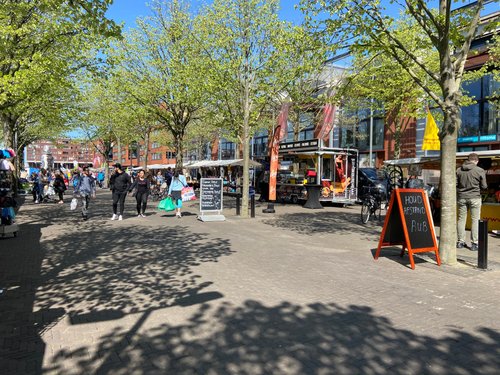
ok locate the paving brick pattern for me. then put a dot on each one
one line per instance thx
(297, 292)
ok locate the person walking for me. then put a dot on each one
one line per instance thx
(84, 190)
(119, 184)
(175, 190)
(43, 184)
(59, 186)
(141, 186)
(470, 180)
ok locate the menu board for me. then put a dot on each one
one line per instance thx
(417, 219)
(211, 194)
(409, 223)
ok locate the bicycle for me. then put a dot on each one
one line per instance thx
(372, 204)
(157, 193)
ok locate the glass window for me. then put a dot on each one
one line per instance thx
(470, 120)
(473, 89)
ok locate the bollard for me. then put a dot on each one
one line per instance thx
(482, 253)
(252, 206)
(238, 208)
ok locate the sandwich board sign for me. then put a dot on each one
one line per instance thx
(211, 199)
(409, 223)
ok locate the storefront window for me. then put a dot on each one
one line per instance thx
(482, 117)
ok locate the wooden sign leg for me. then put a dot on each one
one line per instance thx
(438, 259)
(412, 261)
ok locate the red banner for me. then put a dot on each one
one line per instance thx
(325, 126)
(279, 133)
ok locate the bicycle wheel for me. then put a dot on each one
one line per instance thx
(365, 212)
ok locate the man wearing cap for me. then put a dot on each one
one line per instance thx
(470, 180)
(119, 184)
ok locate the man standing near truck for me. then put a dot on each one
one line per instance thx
(471, 179)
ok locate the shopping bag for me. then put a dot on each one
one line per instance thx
(166, 204)
(161, 205)
(188, 194)
(74, 203)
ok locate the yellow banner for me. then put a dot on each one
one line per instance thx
(431, 135)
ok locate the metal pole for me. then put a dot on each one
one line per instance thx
(482, 254)
(371, 134)
(252, 206)
(238, 208)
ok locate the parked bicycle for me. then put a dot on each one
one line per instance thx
(372, 199)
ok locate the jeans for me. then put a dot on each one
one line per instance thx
(119, 196)
(85, 205)
(474, 204)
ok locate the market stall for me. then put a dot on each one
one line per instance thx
(333, 170)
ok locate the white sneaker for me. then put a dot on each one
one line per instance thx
(114, 217)
(142, 215)
(120, 217)
(139, 215)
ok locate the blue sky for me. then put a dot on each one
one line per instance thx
(128, 10)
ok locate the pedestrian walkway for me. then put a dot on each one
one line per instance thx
(296, 292)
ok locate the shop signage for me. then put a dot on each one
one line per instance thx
(310, 145)
(480, 138)
(409, 223)
(211, 199)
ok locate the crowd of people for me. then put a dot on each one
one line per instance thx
(52, 185)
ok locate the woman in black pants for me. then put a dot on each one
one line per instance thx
(142, 185)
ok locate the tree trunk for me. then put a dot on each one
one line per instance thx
(296, 126)
(146, 150)
(397, 139)
(448, 233)
(118, 151)
(106, 173)
(178, 151)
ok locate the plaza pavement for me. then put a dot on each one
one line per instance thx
(296, 292)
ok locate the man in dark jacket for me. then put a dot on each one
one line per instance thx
(471, 179)
(119, 184)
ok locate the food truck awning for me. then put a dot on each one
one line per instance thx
(221, 163)
(410, 161)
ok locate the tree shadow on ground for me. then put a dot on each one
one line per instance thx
(284, 339)
(94, 272)
(21, 347)
(130, 269)
(320, 222)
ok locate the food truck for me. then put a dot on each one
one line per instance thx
(427, 169)
(310, 162)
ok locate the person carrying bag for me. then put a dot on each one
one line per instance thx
(175, 191)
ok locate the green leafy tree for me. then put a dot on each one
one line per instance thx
(162, 69)
(248, 47)
(398, 99)
(366, 24)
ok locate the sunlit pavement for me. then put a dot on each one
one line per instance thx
(296, 292)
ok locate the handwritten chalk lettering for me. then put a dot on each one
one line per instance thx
(413, 199)
(408, 211)
(419, 226)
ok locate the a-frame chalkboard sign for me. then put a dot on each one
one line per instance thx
(409, 223)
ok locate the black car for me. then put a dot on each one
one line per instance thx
(374, 181)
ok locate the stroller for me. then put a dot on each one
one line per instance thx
(48, 194)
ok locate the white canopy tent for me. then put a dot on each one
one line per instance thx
(221, 163)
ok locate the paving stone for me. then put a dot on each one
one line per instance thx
(297, 292)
